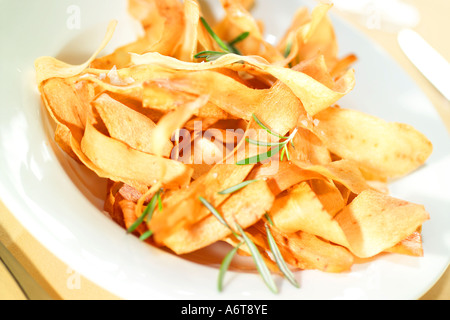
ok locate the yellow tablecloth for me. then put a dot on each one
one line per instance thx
(53, 275)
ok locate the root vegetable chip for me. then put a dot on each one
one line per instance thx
(245, 207)
(125, 164)
(342, 171)
(381, 149)
(301, 210)
(375, 222)
(127, 125)
(314, 95)
(305, 251)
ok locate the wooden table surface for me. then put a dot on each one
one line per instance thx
(58, 279)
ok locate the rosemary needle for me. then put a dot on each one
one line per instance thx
(259, 261)
(270, 153)
(147, 212)
(257, 258)
(226, 264)
(216, 38)
(279, 259)
(237, 187)
(216, 213)
(260, 157)
(226, 47)
(262, 125)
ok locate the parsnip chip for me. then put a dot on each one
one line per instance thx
(319, 37)
(49, 67)
(162, 22)
(189, 44)
(237, 21)
(314, 95)
(411, 246)
(305, 251)
(127, 125)
(224, 92)
(282, 177)
(343, 171)
(310, 35)
(307, 147)
(120, 58)
(245, 207)
(301, 210)
(122, 163)
(62, 138)
(329, 195)
(375, 222)
(64, 105)
(382, 150)
(186, 209)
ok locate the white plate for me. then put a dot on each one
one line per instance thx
(50, 194)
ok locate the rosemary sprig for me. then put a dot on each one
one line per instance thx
(160, 205)
(269, 219)
(239, 38)
(259, 261)
(277, 146)
(281, 263)
(147, 215)
(262, 125)
(263, 143)
(216, 213)
(222, 44)
(226, 264)
(288, 49)
(227, 47)
(257, 258)
(279, 259)
(237, 187)
(146, 235)
(260, 157)
(210, 55)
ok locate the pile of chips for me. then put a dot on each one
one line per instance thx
(203, 130)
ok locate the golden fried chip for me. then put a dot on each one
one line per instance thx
(283, 176)
(314, 95)
(382, 150)
(342, 171)
(306, 251)
(127, 125)
(411, 246)
(185, 209)
(49, 67)
(301, 210)
(245, 207)
(121, 163)
(375, 222)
